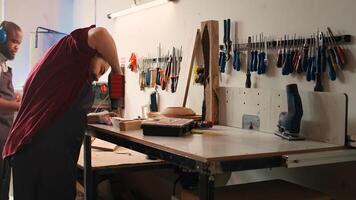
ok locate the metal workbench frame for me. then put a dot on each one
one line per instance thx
(206, 170)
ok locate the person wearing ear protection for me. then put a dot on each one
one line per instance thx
(45, 139)
(10, 40)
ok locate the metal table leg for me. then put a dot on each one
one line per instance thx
(88, 173)
(206, 187)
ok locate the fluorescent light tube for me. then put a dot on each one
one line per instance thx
(137, 8)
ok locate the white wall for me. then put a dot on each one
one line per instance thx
(53, 14)
(175, 24)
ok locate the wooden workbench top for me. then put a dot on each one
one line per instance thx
(221, 143)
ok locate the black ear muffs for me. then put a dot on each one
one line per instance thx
(3, 35)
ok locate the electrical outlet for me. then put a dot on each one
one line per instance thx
(251, 122)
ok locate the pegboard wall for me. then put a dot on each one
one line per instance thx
(324, 118)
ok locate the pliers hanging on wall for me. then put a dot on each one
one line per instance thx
(225, 53)
(320, 62)
(227, 39)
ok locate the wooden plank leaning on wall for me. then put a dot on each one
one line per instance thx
(210, 44)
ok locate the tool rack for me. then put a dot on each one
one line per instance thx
(340, 39)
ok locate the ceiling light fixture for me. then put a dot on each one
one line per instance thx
(138, 8)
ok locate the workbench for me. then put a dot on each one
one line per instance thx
(217, 150)
(105, 163)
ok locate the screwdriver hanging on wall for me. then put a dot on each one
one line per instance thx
(248, 74)
(332, 72)
(305, 57)
(266, 57)
(287, 62)
(335, 52)
(261, 68)
(314, 61)
(236, 62)
(320, 62)
(340, 51)
(251, 54)
(331, 60)
(298, 62)
(310, 62)
(279, 59)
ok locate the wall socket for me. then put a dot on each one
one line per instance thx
(251, 122)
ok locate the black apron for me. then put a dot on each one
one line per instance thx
(6, 117)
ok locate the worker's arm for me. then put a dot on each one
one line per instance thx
(100, 39)
(6, 105)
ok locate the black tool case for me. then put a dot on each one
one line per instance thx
(167, 127)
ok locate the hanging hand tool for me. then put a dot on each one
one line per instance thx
(266, 57)
(174, 69)
(332, 72)
(158, 76)
(152, 76)
(167, 74)
(331, 62)
(142, 78)
(222, 61)
(179, 60)
(148, 76)
(298, 64)
(305, 58)
(322, 43)
(310, 60)
(236, 64)
(248, 74)
(261, 68)
(340, 51)
(255, 56)
(176, 64)
(314, 60)
(292, 54)
(287, 64)
(297, 56)
(224, 55)
(296, 53)
(333, 55)
(320, 62)
(252, 54)
(227, 40)
(158, 69)
(284, 52)
(133, 62)
(279, 59)
(253, 62)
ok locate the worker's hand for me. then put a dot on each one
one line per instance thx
(106, 118)
(18, 97)
(16, 104)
